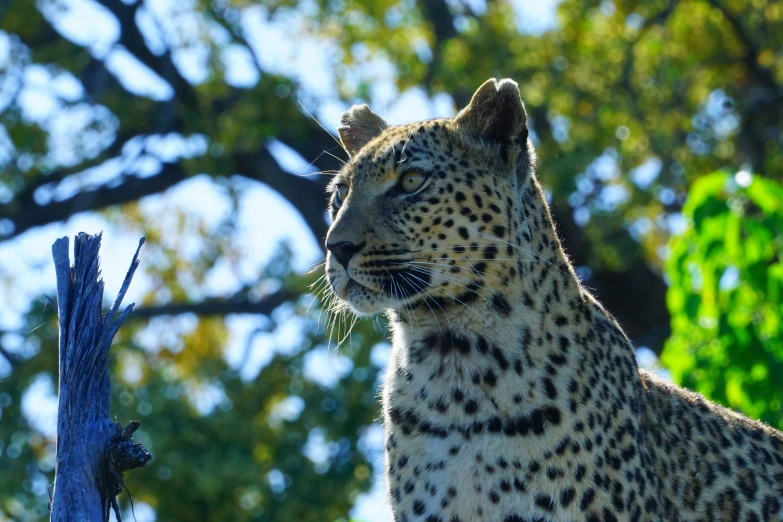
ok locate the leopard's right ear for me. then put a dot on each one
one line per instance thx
(359, 125)
(495, 113)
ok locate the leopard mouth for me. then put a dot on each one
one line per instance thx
(391, 286)
(393, 282)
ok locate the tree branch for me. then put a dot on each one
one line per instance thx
(438, 13)
(26, 195)
(92, 72)
(440, 18)
(11, 358)
(751, 56)
(34, 215)
(216, 306)
(636, 295)
(306, 194)
(132, 39)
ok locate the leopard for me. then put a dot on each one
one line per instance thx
(511, 394)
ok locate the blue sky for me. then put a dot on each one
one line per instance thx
(26, 269)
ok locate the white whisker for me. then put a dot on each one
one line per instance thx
(430, 273)
(457, 300)
(324, 128)
(526, 251)
(425, 296)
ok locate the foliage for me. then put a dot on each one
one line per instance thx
(630, 103)
(726, 294)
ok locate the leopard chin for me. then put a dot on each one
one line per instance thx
(366, 300)
(377, 285)
(360, 300)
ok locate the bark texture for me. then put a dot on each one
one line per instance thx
(92, 451)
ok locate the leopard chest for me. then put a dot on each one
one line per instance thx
(475, 455)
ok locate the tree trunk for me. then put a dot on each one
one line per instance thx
(92, 451)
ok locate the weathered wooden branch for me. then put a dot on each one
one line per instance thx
(92, 451)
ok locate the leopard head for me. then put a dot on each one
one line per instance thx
(427, 212)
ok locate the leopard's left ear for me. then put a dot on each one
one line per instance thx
(359, 125)
(495, 113)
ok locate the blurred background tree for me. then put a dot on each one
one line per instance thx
(195, 123)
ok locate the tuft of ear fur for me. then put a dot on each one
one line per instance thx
(359, 126)
(495, 113)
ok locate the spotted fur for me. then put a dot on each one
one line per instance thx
(511, 394)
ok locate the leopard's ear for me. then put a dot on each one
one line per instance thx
(358, 126)
(495, 113)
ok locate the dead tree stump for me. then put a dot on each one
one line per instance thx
(92, 451)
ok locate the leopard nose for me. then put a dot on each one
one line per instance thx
(343, 251)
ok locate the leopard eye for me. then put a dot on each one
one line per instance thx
(412, 181)
(340, 194)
